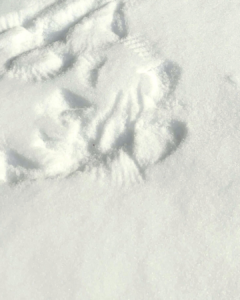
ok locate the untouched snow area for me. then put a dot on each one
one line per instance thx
(119, 149)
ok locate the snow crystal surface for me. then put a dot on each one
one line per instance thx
(119, 149)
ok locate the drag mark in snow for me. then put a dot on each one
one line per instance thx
(54, 33)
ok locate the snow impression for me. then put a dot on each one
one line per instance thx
(126, 122)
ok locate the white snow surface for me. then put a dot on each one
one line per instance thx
(119, 149)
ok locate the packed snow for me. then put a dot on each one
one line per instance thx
(119, 149)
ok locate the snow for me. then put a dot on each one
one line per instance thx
(119, 149)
